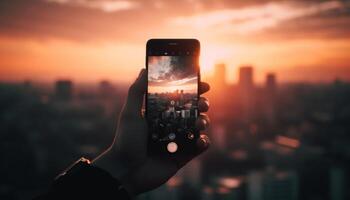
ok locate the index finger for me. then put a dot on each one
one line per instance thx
(203, 87)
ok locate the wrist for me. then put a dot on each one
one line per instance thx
(111, 162)
(83, 180)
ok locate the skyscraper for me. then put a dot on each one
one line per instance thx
(272, 185)
(270, 98)
(64, 90)
(270, 82)
(106, 89)
(246, 92)
(245, 79)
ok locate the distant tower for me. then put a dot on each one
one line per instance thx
(106, 88)
(64, 90)
(272, 185)
(270, 98)
(220, 74)
(27, 84)
(245, 79)
(270, 82)
(246, 92)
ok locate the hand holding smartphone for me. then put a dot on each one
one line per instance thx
(172, 95)
(171, 139)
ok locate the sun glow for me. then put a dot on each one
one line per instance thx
(188, 88)
(210, 55)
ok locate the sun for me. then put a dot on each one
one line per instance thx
(207, 62)
(211, 55)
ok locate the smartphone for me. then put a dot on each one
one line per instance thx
(171, 103)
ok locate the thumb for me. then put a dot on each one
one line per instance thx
(135, 95)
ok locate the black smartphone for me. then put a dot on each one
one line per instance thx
(171, 103)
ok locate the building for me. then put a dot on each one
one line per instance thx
(64, 90)
(270, 83)
(246, 92)
(106, 89)
(245, 79)
(272, 185)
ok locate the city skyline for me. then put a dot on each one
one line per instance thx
(247, 124)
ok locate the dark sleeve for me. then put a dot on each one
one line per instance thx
(85, 181)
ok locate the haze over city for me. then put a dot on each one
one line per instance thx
(45, 40)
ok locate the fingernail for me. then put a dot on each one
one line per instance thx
(203, 142)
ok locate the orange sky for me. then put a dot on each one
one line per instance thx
(188, 88)
(93, 40)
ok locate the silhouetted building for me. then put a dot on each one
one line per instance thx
(272, 185)
(246, 92)
(271, 81)
(27, 84)
(245, 79)
(106, 89)
(337, 185)
(270, 98)
(64, 90)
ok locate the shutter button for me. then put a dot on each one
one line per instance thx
(172, 147)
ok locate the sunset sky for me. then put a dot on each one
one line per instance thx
(90, 40)
(171, 73)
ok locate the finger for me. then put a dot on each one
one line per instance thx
(135, 95)
(203, 104)
(203, 87)
(203, 143)
(202, 122)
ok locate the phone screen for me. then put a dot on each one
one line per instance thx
(172, 100)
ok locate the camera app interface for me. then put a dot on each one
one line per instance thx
(172, 100)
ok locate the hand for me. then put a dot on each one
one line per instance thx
(130, 145)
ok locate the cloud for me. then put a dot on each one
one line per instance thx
(253, 19)
(134, 21)
(175, 69)
(42, 20)
(104, 5)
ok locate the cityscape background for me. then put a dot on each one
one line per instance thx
(279, 100)
(270, 141)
